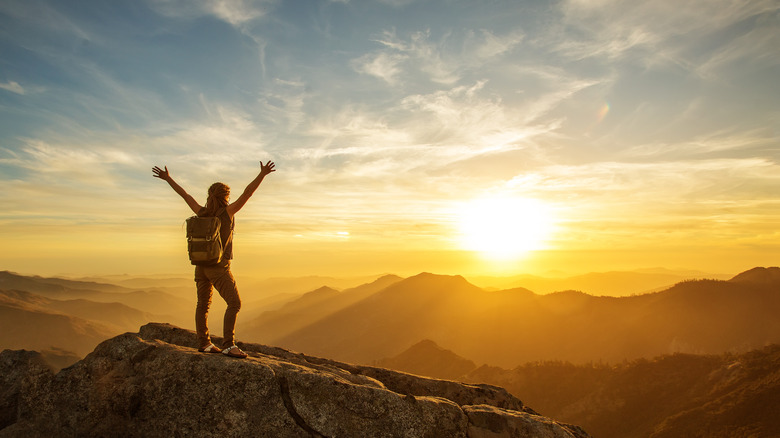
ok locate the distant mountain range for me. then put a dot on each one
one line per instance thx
(66, 319)
(24, 325)
(515, 326)
(309, 308)
(615, 283)
(382, 318)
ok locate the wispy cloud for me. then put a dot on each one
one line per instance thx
(13, 87)
(385, 66)
(443, 59)
(234, 12)
(660, 31)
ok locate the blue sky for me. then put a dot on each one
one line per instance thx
(648, 127)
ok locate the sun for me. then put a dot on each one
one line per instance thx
(504, 228)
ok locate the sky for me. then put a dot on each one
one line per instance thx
(447, 136)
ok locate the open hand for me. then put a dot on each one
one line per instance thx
(160, 173)
(267, 168)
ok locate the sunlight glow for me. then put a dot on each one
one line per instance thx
(505, 228)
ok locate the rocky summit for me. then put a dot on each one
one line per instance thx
(154, 384)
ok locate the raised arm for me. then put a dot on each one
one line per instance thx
(164, 175)
(236, 205)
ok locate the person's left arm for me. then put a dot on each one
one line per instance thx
(250, 189)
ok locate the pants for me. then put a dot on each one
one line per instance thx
(222, 279)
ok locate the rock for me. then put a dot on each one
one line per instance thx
(154, 384)
(488, 421)
(22, 375)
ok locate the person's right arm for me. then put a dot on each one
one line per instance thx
(164, 175)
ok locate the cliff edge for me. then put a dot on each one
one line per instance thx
(152, 383)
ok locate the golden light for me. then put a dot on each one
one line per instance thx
(505, 228)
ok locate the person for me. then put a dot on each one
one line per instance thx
(218, 276)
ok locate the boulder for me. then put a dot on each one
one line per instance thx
(153, 383)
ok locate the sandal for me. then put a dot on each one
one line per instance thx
(211, 348)
(234, 351)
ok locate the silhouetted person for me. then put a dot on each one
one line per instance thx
(218, 275)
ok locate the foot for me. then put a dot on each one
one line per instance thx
(234, 351)
(211, 348)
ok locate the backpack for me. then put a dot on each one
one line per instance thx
(204, 243)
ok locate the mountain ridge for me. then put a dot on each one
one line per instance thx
(575, 326)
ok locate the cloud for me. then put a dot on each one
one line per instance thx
(631, 189)
(720, 143)
(385, 66)
(43, 17)
(237, 13)
(397, 3)
(487, 45)
(443, 61)
(421, 53)
(659, 31)
(758, 45)
(13, 87)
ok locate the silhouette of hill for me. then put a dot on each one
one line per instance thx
(672, 396)
(298, 285)
(614, 283)
(310, 308)
(118, 317)
(151, 301)
(154, 383)
(387, 322)
(56, 287)
(64, 330)
(765, 276)
(514, 326)
(293, 315)
(26, 325)
(425, 358)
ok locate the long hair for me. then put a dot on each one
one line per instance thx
(219, 194)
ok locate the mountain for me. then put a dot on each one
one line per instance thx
(426, 358)
(766, 276)
(308, 309)
(292, 316)
(153, 301)
(114, 315)
(64, 330)
(153, 383)
(672, 396)
(58, 287)
(300, 285)
(388, 321)
(26, 325)
(614, 283)
(509, 327)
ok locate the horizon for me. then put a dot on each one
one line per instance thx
(492, 281)
(439, 136)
